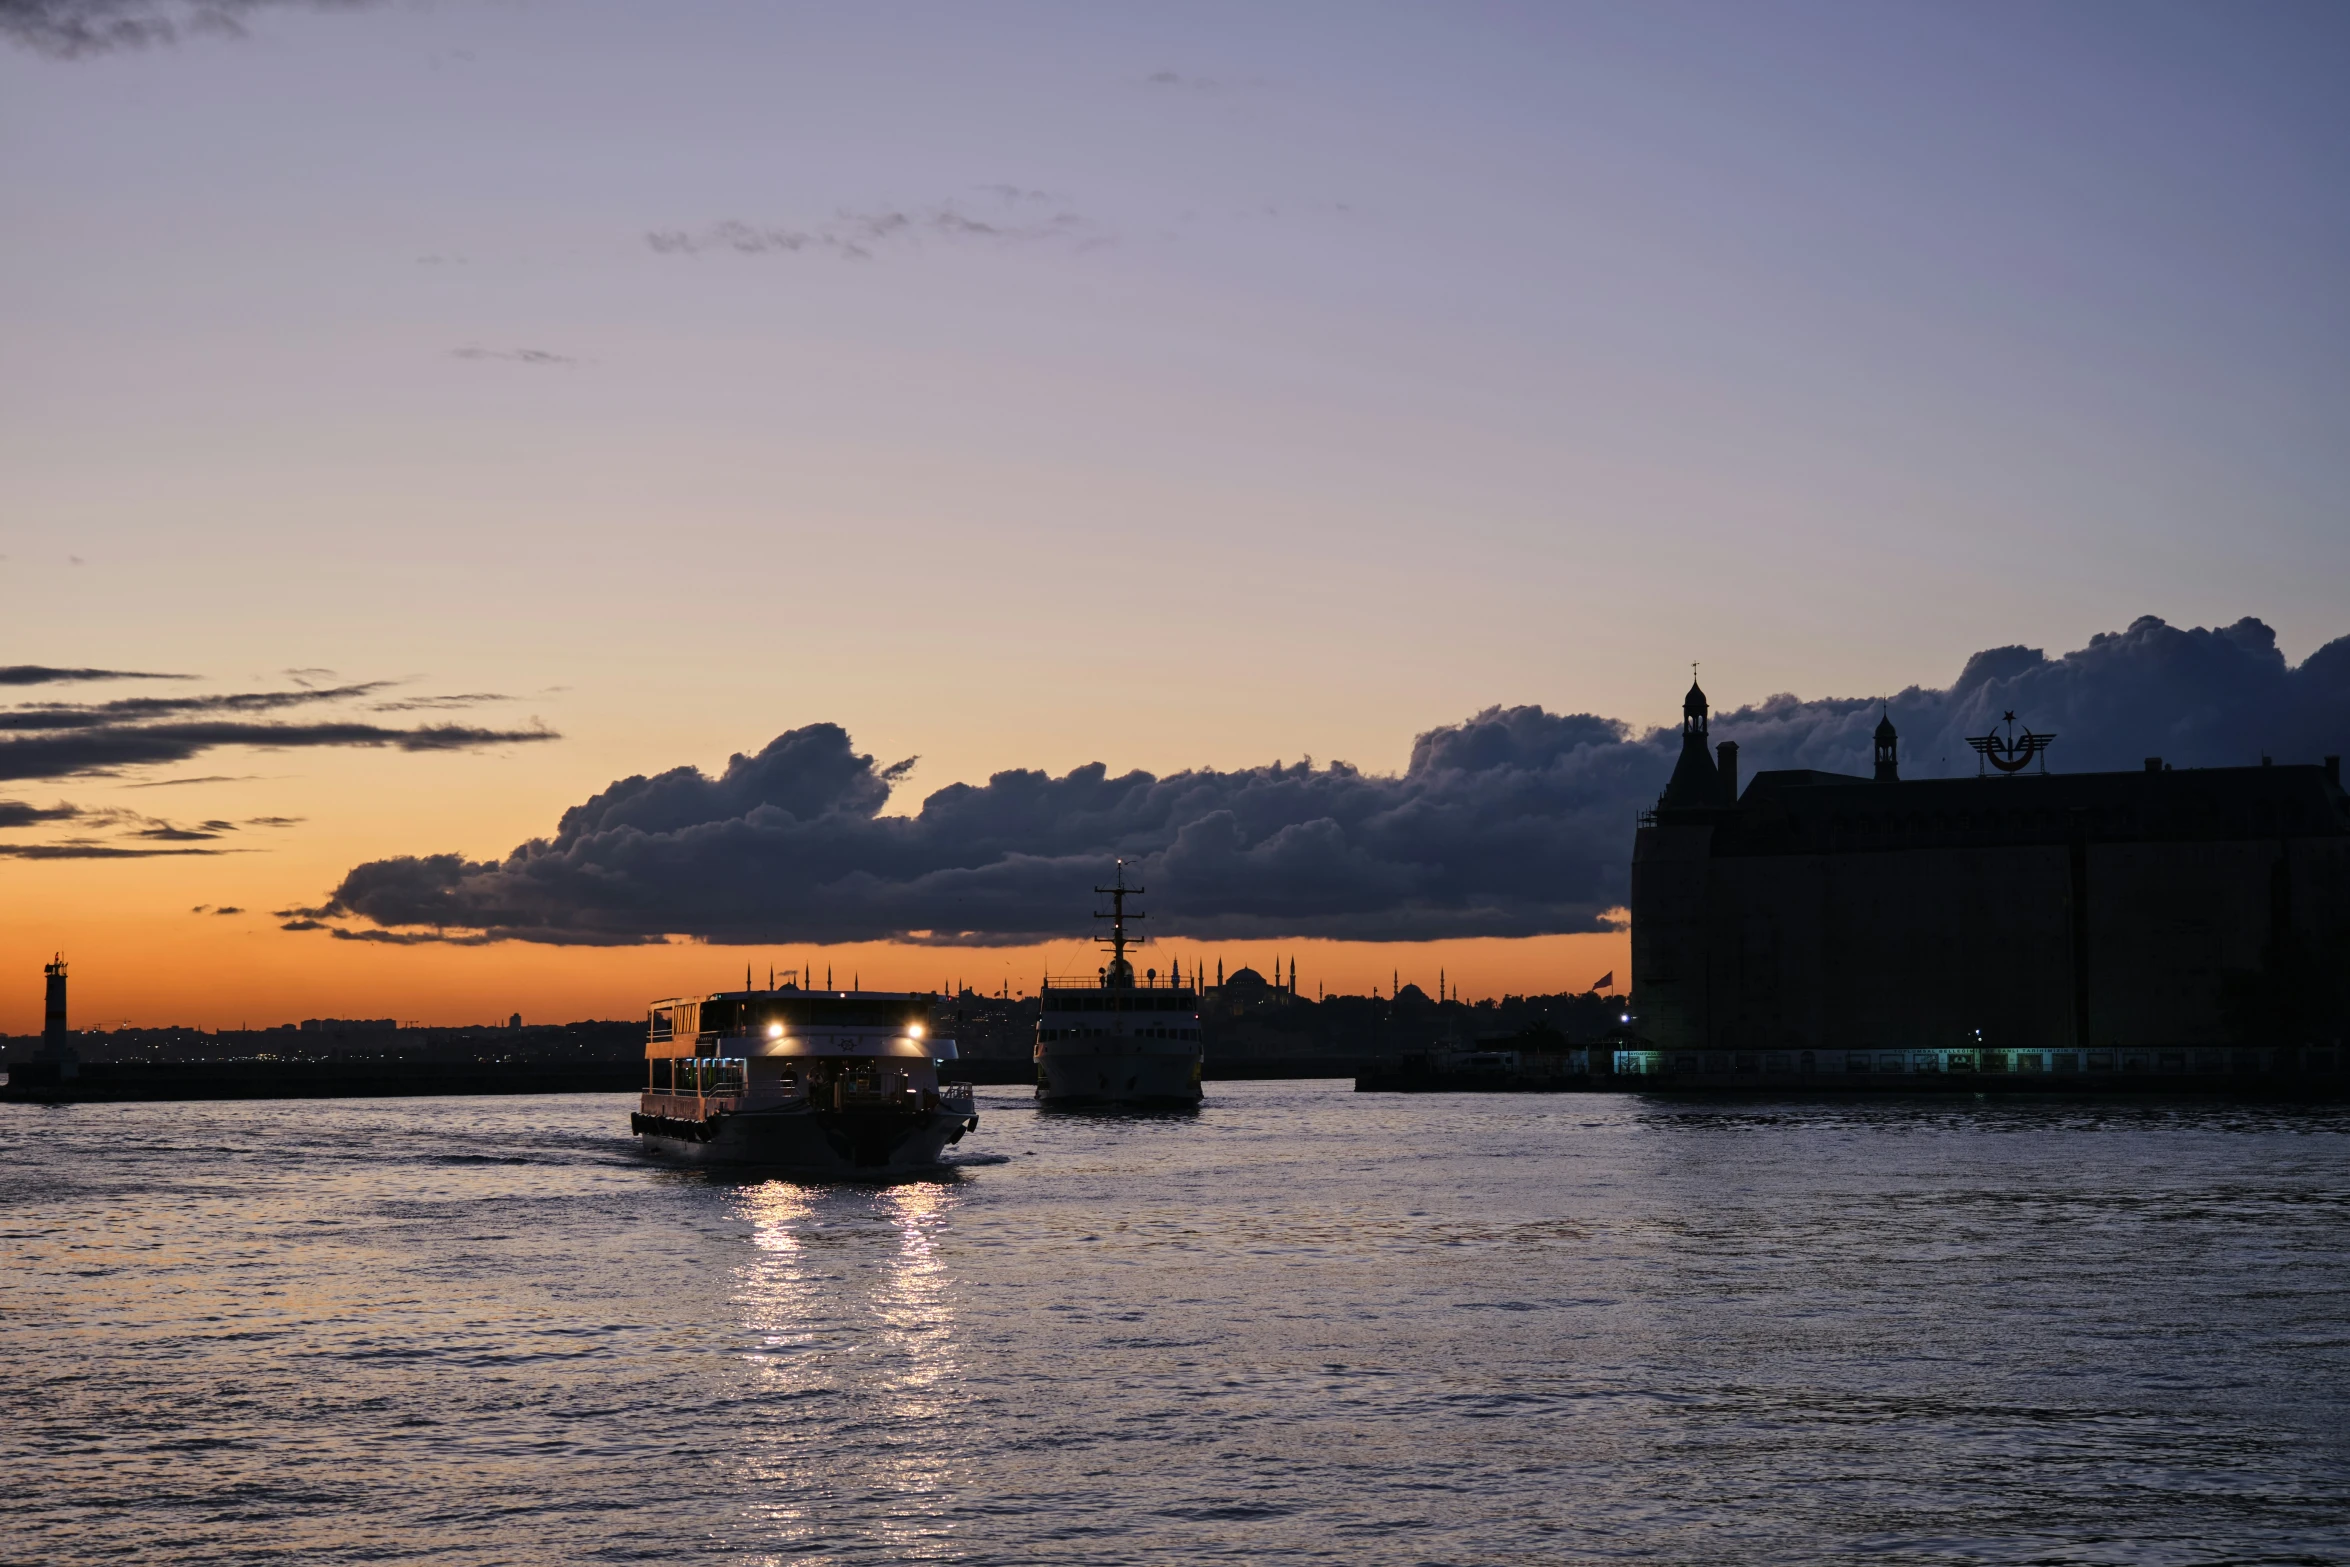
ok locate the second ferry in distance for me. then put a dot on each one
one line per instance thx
(1114, 1041)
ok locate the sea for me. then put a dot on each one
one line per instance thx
(1300, 1325)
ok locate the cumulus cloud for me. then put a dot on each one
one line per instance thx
(1514, 822)
(72, 29)
(1012, 218)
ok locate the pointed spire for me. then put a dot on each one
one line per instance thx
(1695, 784)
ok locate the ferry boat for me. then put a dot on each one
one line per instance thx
(827, 1082)
(1113, 1040)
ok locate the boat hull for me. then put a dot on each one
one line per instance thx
(838, 1143)
(1088, 1077)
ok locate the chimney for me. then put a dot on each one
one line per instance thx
(2333, 766)
(2154, 764)
(1728, 752)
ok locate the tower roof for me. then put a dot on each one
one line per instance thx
(1885, 727)
(1693, 705)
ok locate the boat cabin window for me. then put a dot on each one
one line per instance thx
(728, 1016)
(707, 1075)
(664, 1022)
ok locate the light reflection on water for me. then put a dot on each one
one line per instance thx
(1300, 1325)
(849, 1307)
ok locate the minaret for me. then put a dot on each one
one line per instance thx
(1888, 750)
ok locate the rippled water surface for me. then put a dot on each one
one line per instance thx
(1302, 1325)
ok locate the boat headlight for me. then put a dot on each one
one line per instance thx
(775, 1031)
(914, 1029)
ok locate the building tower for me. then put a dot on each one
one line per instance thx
(1888, 748)
(1695, 785)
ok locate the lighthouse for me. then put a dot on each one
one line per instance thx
(56, 1043)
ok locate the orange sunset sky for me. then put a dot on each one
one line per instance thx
(1171, 396)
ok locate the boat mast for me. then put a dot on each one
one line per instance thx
(1120, 974)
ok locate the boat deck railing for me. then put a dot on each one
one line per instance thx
(1094, 982)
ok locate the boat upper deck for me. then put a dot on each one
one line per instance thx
(777, 1020)
(1089, 994)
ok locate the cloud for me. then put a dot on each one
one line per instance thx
(228, 908)
(62, 739)
(128, 823)
(90, 851)
(519, 356)
(861, 236)
(16, 813)
(90, 715)
(1514, 822)
(432, 704)
(73, 29)
(208, 778)
(43, 674)
(143, 745)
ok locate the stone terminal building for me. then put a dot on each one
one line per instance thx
(2167, 922)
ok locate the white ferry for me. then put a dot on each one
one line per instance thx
(1114, 1040)
(828, 1082)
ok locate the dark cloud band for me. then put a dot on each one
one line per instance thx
(1516, 822)
(45, 674)
(106, 748)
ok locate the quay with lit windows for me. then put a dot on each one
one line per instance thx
(828, 1082)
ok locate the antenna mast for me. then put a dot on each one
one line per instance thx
(1120, 974)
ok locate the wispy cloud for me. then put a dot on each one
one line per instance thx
(53, 739)
(73, 29)
(44, 674)
(16, 813)
(146, 745)
(1014, 216)
(92, 851)
(435, 704)
(208, 778)
(133, 709)
(516, 356)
